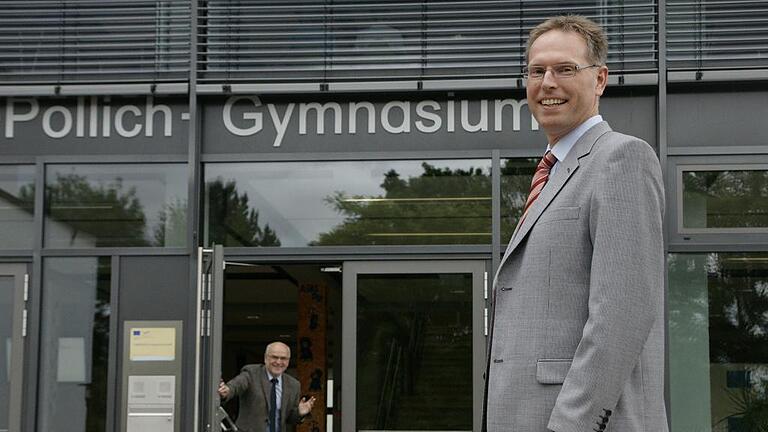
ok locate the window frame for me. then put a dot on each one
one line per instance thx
(705, 239)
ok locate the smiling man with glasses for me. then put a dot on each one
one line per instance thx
(269, 398)
(576, 342)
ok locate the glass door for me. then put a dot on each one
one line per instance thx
(210, 283)
(413, 345)
(13, 279)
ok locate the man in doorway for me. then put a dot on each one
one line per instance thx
(269, 398)
(576, 342)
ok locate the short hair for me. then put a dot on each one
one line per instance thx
(593, 34)
(274, 344)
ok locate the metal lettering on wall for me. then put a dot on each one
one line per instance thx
(392, 117)
(251, 124)
(93, 125)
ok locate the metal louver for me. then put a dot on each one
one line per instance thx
(347, 41)
(94, 41)
(716, 35)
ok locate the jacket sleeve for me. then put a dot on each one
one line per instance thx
(239, 384)
(626, 286)
(293, 416)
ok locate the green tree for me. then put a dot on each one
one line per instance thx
(516, 175)
(440, 206)
(232, 222)
(105, 214)
(727, 198)
(172, 229)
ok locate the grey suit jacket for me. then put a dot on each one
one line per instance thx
(253, 389)
(577, 330)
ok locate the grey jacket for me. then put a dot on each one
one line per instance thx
(253, 389)
(577, 329)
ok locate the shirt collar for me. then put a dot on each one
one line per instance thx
(279, 378)
(566, 143)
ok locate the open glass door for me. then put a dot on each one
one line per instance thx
(13, 287)
(210, 283)
(413, 345)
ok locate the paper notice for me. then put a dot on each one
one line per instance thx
(153, 344)
(71, 366)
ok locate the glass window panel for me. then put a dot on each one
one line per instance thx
(414, 366)
(725, 199)
(718, 348)
(6, 329)
(17, 204)
(516, 176)
(116, 205)
(74, 345)
(348, 203)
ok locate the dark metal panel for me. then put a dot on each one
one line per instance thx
(114, 331)
(138, 251)
(717, 119)
(33, 343)
(496, 240)
(160, 288)
(154, 288)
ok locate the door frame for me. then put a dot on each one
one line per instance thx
(208, 324)
(349, 324)
(18, 333)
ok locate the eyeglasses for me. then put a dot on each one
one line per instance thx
(562, 70)
(280, 358)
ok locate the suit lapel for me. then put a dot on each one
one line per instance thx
(564, 172)
(266, 388)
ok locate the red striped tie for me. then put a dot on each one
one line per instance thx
(540, 178)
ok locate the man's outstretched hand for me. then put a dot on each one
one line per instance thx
(305, 405)
(223, 390)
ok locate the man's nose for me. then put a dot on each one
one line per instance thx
(548, 80)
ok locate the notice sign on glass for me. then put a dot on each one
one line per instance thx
(153, 344)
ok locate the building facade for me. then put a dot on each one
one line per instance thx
(182, 182)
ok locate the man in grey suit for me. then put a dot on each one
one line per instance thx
(576, 342)
(269, 398)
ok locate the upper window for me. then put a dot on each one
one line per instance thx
(17, 206)
(297, 204)
(115, 205)
(726, 200)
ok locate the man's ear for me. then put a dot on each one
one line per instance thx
(602, 80)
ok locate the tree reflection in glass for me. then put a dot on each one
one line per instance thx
(725, 199)
(115, 205)
(440, 206)
(81, 209)
(231, 220)
(718, 329)
(516, 175)
(17, 206)
(320, 203)
(738, 323)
